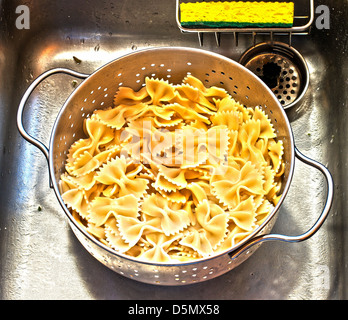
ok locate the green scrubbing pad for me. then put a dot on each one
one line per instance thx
(236, 14)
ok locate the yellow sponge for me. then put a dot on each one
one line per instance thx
(237, 14)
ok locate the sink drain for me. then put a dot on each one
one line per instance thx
(281, 67)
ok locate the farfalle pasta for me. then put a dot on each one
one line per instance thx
(172, 173)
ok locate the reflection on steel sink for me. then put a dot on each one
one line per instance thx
(40, 257)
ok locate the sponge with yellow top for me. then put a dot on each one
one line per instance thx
(236, 14)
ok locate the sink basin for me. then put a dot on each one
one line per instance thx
(37, 247)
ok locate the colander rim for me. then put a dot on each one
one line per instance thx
(178, 263)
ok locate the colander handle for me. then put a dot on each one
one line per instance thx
(259, 239)
(25, 98)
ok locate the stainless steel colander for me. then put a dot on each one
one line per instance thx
(173, 64)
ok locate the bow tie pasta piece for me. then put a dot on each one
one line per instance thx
(174, 175)
(217, 143)
(97, 232)
(198, 193)
(249, 133)
(163, 184)
(128, 96)
(133, 229)
(192, 143)
(214, 220)
(266, 127)
(145, 140)
(114, 238)
(186, 114)
(181, 177)
(231, 119)
(244, 214)
(195, 95)
(173, 218)
(102, 208)
(276, 150)
(117, 175)
(76, 149)
(98, 133)
(268, 175)
(85, 182)
(82, 165)
(77, 198)
(234, 236)
(262, 212)
(228, 104)
(154, 111)
(248, 136)
(197, 240)
(231, 187)
(160, 244)
(86, 164)
(210, 93)
(118, 116)
(160, 91)
(176, 196)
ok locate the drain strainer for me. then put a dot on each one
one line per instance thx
(281, 67)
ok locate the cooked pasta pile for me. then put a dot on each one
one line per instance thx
(173, 172)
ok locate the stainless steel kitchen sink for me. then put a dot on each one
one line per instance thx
(40, 258)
